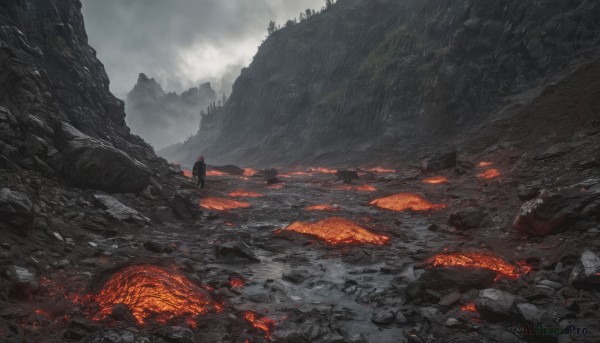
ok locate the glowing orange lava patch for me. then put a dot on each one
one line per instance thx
(222, 204)
(322, 207)
(484, 164)
(276, 186)
(215, 173)
(362, 188)
(489, 174)
(436, 180)
(187, 173)
(404, 202)
(381, 170)
(235, 282)
(297, 173)
(261, 323)
(323, 170)
(469, 307)
(245, 194)
(336, 230)
(150, 292)
(248, 172)
(479, 260)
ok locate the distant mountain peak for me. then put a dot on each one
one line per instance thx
(164, 118)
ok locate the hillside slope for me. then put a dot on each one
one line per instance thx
(377, 78)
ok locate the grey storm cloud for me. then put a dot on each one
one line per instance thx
(181, 42)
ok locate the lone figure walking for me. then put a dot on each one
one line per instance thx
(199, 171)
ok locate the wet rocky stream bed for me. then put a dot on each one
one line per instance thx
(451, 256)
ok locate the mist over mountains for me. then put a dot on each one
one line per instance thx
(163, 118)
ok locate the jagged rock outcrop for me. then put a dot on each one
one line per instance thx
(164, 118)
(53, 92)
(560, 209)
(391, 76)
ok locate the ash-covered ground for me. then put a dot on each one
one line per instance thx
(265, 282)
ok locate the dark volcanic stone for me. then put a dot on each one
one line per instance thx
(181, 204)
(122, 314)
(91, 163)
(494, 304)
(383, 316)
(23, 282)
(470, 218)
(586, 273)
(346, 175)
(15, 209)
(462, 278)
(162, 214)
(295, 275)
(529, 191)
(273, 181)
(551, 212)
(157, 247)
(450, 299)
(235, 250)
(267, 173)
(440, 161)
(533, 314)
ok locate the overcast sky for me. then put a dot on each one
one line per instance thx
(181, 42)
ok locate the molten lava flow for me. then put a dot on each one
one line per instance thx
(276, 186)
(222, 204)
(362, 188)
(436, 180)
(235, 282)
(489, 174)
(245, 194)
(323, 170)
(296, 173)
(322, 207)
(263, 323)
(215, 173)
(469, 307)
(404, 202)
(150, 292)
(479, 260)
(381, 170)
(249, 172)
(187, 173)
(337, 230)
(484, 164)
(366, 188)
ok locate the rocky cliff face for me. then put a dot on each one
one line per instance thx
(386, 77)
(57, 115)
(165, 118)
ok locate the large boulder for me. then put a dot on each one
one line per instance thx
(92, 163)
(16, 209)
(182, 204)
(440, 161)
(586, 273)
(23, 282)
(117, 209)
(496, 305)
(553, 211)
(346, 175)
